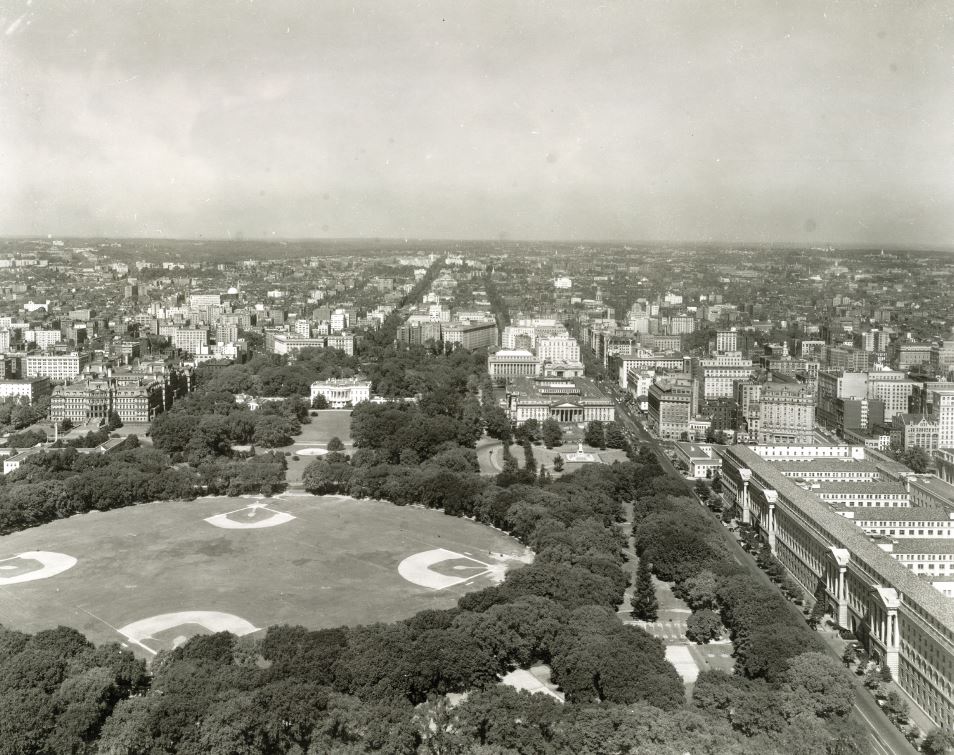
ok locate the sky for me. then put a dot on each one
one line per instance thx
(709, 120)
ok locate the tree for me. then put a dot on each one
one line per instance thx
(703, 626)
(644, 605)
(701, 490)
(820, 606)
(321, 477)
(531, 429)
(615, 438)
(498, 424)
(335, 444)
(319, 402)
(530, 463)
(558, 463)
(896, 709)
(551, 432)
(595, 436)
(272, 431)
(939, 741)
(22, 416)
(821, 683)
(113, 422)
(66, 424)
(916, 458)
(700, 590)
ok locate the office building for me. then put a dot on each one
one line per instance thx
(558, 349)
(716, 376)
(942, 357)
(508, 363)
(879, 586)
(44, 339)
(727, 340)
(470, 335)
(892, 388)
(191, 340)
(31, 389)
(56, 367)
(672, 403)
(786, 415)
(420, 333)
(205, 300)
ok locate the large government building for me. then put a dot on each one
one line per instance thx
(567, 400)
(879, 539)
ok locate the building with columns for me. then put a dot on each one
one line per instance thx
(869, 583)
(343, 392)
(567, 400)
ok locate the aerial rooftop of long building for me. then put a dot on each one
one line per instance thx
(842, 533)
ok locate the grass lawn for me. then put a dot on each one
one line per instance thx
(327, 424)
(545, 456)
(324, 426)
(335, 563)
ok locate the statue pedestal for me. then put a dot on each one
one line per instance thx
(580, 456)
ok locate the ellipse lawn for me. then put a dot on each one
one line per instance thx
(333, 561)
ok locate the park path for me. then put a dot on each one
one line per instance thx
(670, 625)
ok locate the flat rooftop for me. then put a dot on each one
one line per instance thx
(823, 465)
(912, 514)
(875, 487)
(549, 389)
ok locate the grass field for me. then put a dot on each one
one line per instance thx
(328, 424)
(336, 562)
(324, 426)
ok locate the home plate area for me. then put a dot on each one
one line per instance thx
(170, 630)
(31, 565)
(253, 516)
(441, 568)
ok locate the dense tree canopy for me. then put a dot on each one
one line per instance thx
(382, 688)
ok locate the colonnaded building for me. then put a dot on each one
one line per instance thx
(342, 392)
(878, 539)
(567, 400)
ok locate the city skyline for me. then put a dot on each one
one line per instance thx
(812, 125)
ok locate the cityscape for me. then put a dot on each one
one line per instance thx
(476, 379)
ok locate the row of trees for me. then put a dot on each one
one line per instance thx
(780, 663)
(59, 483)
(16, 412)
(206, 425)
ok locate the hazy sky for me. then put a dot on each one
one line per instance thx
(744, 120)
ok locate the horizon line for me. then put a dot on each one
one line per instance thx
(818, 245)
